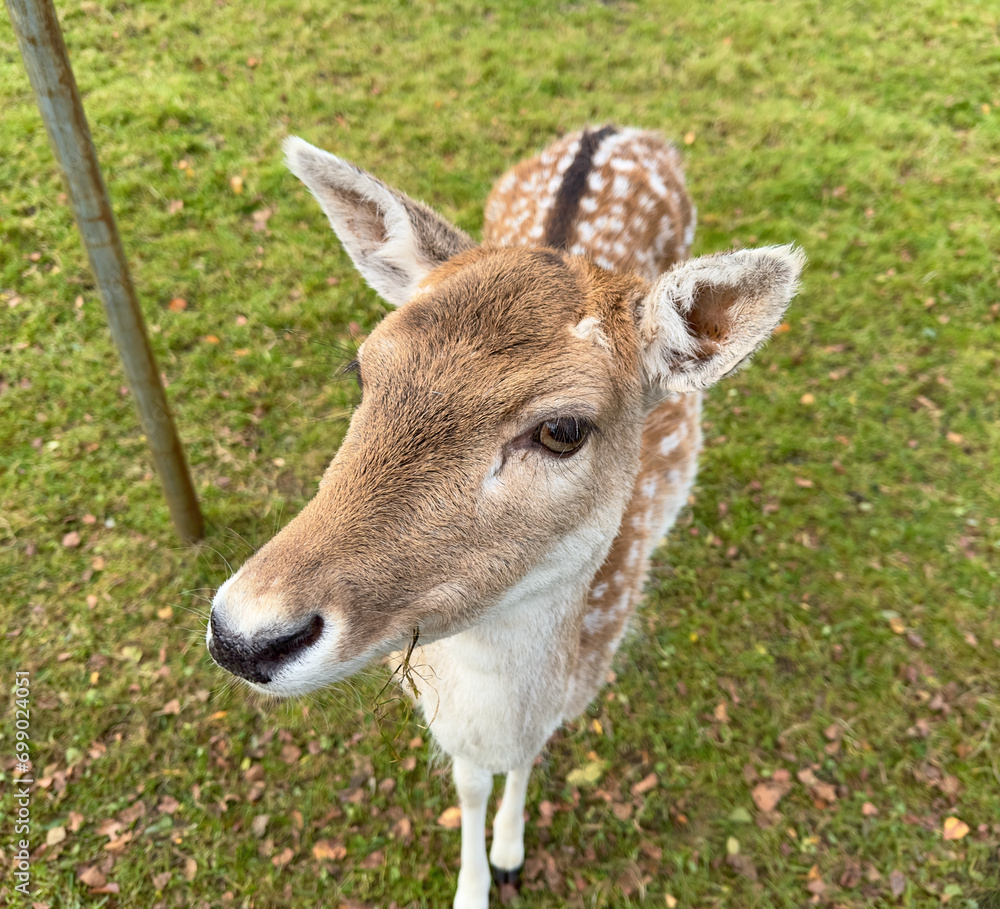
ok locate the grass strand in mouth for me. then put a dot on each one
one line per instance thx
(390, 693)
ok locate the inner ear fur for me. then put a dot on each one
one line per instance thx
(394, 241)
(706, 317)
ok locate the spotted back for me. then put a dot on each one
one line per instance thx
(615, 196)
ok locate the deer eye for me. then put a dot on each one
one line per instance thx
(355, 367)
(563, 437)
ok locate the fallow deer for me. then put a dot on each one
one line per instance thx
(527, 433)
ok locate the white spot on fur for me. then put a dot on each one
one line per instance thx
(589, 329)
(599, 590)
(689, 230)
(656, 184)
(604, 152)
(670, 443)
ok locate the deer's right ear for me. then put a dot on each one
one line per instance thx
(704, 319)
(394, 241)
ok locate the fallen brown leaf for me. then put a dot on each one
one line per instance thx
(767, 795)
(131, 814)
(118, 844)
(955, 829)
(451, 818)
(647, 783)
(161, 880)
(91, 876)
(743, 865)
(328, 850)
(109, 827)
(402, 830)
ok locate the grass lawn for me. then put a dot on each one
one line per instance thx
(808, 710)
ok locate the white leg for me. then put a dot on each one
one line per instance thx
(507, 853)
(474, 786)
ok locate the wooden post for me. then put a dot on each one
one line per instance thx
(41, 42)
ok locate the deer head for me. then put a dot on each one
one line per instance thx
(497, 439)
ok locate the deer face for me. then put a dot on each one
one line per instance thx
(497, 439)
(496, 435)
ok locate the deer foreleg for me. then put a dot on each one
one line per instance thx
(507, 852)
(474, 786)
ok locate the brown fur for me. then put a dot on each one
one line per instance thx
(655, 234)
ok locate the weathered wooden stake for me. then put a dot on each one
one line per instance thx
(44, 51)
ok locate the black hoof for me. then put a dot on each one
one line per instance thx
(502, 876)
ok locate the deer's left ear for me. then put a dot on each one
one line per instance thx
(705, 318)
(394, 241)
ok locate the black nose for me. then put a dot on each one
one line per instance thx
(257, 659)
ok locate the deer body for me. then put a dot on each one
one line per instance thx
(529, 430)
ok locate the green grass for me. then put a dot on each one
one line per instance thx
(867, 133)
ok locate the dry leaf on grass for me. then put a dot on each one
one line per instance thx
(161, 880)
(767, 795)
(451, 818)
(168, 804)
(91, 876)
(328, 850)
(955, 829)
(644, 785)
